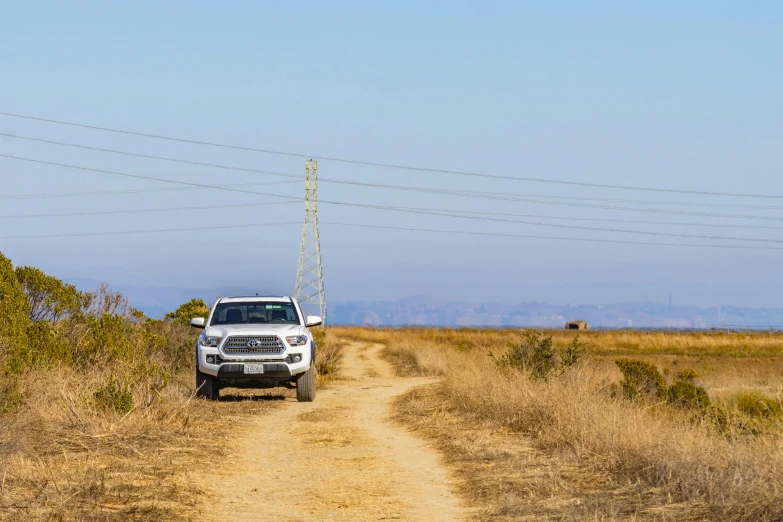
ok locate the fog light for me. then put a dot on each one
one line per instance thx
(297, 358)
(211, 359)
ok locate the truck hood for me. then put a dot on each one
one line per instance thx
(256, 329)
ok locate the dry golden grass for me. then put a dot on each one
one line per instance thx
(503, 474)
(328, 356)
(606, 342)
(624, 342)
(613, 458)
(63, 459)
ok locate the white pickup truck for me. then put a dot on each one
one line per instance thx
(255, 342)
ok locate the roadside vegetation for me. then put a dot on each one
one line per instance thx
(608, 425)
(98, 419)
(328, 356)
(98, 415)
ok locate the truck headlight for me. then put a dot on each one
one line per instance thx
(210, 341)
(296, 340)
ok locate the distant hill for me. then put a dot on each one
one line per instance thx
(432, 311)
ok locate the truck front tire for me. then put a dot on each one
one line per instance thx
(206, 386)
(305, 386)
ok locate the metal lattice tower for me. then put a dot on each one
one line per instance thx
(309, 288)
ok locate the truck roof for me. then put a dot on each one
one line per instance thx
(257, 298)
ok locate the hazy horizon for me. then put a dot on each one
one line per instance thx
(427, 310)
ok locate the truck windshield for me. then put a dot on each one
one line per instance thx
(254, 312)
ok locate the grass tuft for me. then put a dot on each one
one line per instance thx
(757, 406)
(114, 396)
(329, 354)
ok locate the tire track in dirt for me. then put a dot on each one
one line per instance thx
(338, 458)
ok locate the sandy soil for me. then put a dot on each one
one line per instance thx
(338, 458)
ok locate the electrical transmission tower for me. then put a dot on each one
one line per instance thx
(309, 288)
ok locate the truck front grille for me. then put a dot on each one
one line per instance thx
(252, 344)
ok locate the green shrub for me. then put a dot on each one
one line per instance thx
(45, 348)
(110, 338)
(45, 323)
(14, 312)
(573, 353)
(49, 298)
(11, 397)
(641, 379)
(758, 406)
(686, 394)
(187, 311)
(114, 396)
(686, 375)
(537, 355)
(730, 423)
(514, 358)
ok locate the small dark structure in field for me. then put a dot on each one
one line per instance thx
(577, 325)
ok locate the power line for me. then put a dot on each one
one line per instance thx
(468, 193)
(645, 210)
(416, 189)
(400, 209)
(142, 176)
(382, 227)
(149, 156)
(145, 210)
(375, 185)
(149, 231)
(576, 227)
(132, 191)
(617, 200)
(591, 240)
(438, 211)
(632, 221)
(392, 165)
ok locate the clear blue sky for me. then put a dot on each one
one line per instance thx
(664, 94)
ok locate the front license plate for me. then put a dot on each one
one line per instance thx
(254, 368)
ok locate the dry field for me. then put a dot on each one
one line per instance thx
(570, 447)
(98, 422)
(64, 457)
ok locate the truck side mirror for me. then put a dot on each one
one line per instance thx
(313, 320)
(197, 322)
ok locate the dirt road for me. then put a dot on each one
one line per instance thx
(339, 458)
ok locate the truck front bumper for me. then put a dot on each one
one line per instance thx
(234, 369)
